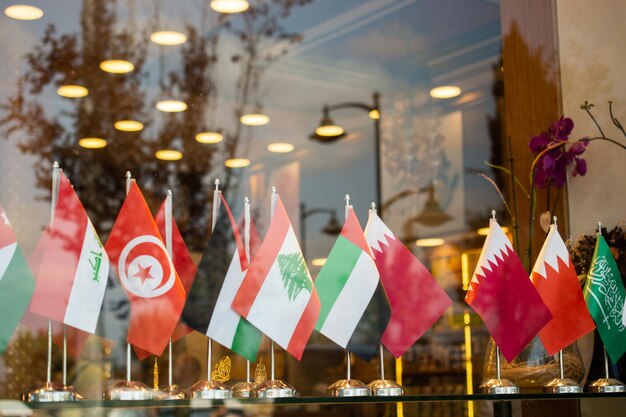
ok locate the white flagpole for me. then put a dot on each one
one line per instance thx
(273, 201)
(215, 213)
(53, 204)
(381, 353)
(348, 356)
(246, 245)
(129, 182)
(168, 246)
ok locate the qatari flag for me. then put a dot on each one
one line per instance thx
(501, 293)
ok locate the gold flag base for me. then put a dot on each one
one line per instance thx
(208, 390)
(128, 391)
(243, 390)
(563, 386)
(499, 386)
(348, 388)
(50, 392)
(607, 385)
(169, 392)
(274, 389)
(385, 388)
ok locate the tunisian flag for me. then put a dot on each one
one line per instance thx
(555, 278)
(501, 293)
(146, 272)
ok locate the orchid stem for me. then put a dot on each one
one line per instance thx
(615, 120)
(587, 107)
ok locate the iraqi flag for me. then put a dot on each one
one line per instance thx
(501, 293)
(220, 273)
(417, 301)
(555, 278)
(147, 275)
(73, 267)
(355, 310)
(277, 294)
(16, 282)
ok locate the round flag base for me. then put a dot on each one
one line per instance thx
(607, 385)
(208, 390)
(563, 386)
(385, 388)
(349, 388)
(169, 392)
(499, 386)
(274, 389)
(128, 391)
(46, 392)
(243, 390)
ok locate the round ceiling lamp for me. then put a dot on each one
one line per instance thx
(92, 143)
(23, 12)
(117, 66)
(72, 91)
(329, 130)
(171, 106)
(128, 125)
(237, 163)
(168, 155)
(429, 242)
(168, 38)
(229, 6)
(445, 91)
(209, 137)
(254, 119)
(280, 147)
(318, 261)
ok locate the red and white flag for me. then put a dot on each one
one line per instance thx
(147, 274)
(501, 293)
(72, 267)
(417, 301)
(555, 278)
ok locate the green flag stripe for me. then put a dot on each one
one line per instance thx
(334, 275)
(247, 340)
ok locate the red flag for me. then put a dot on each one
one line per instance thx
(146, 272)
(501, 293)
(181, 258)
(555, 278)
(417, 301)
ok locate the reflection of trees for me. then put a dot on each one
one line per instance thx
(73, 58)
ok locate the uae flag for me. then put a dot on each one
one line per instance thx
(417, 301)
(555, 278)
(147, 275)
(355, 310)
(16, 282)
(277, 294)
(220, 273)
(73, 267)
(605, 296)
(181, 258)
(501, 293)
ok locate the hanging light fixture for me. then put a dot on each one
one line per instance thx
(117, 66)
(128, 125)
(280, 147)
(171, 106)
(429, 242)
(327, 131)
(318, 261)
(445, 91)
(255, 118)
(168, 38)
(237, 162)
(23, 12)
(72, 91)
(92, 143)
(432, 214)
(230, 6)
(209, 137)
(168, 155)
(374, 114)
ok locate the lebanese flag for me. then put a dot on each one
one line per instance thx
(417, 301)
(181, 258)
(355, 310)
(501, 293)
(16, 282)
(555, 278)
(73, 267)
(277, 294)
(147, 274)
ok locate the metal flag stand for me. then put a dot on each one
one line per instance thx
(210, 389)
(128, 389)
(50, 391)
(245, 389)
(606, 384)
(274, 388)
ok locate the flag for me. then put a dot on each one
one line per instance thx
(605, 295)
(16, 282)
(417, 301)
(147, 274)
(277, 294)
(222, 268)
(555, 278)
(355, 310)
(501, 293)
(181, 258)
(73, 269)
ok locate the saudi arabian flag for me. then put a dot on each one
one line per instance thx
(16, 282)
(605, 295)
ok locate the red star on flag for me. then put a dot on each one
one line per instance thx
(143, 273)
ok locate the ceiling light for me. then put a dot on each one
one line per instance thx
(429, 242)
(23, 12)
(374, 114)
(329, 130)
(318, 261)
(445, 91)
(72, 91)
(229, 6)
(128, 125)
(117, 66)
(92, 143)
(168, 38)
(237, 163)
(209, 137)
(280, 147)
(254, 119)
(484, 231)
(168, 155)
(171, 106)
